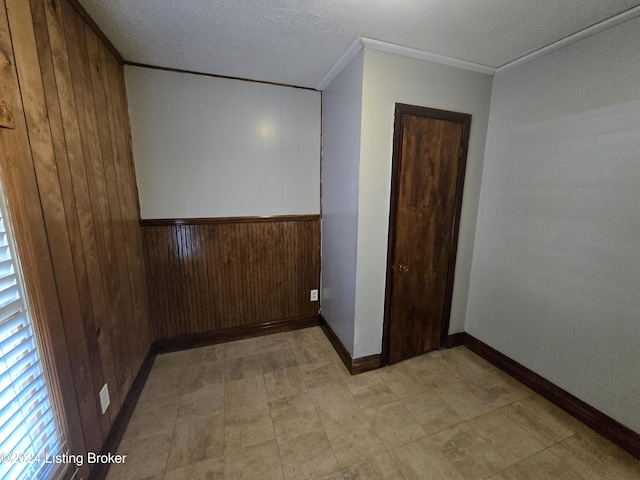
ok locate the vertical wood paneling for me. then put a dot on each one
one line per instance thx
(110, 350)
(118, 336)
(99, 71)
(44, 163)
(130, 204)
(16, 166)
(87, 263)
(69, 178)
(209, 277)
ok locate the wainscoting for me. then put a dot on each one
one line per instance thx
(207, 275)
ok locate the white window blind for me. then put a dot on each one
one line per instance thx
(30, 434)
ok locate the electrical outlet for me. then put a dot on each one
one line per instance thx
(314, 295)
(104, 398)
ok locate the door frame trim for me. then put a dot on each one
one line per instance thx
(402, 109)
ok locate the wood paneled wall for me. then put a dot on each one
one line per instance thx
(68, 174)
(220, 274)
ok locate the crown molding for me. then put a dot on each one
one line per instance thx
(576, 37)
(342, 62)
(380, 46)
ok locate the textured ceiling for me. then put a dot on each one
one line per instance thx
(296, 42)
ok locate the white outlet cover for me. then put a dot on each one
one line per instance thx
(104, 398)
(314, 295)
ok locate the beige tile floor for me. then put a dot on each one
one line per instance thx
(284, 407)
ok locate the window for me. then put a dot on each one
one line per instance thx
(30, 432)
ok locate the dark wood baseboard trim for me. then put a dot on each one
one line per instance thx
(195, 340)
(364, 364)
(622, 436)
(354, 365)
(171, 222)
(122, 419)
(454, 340)
(340, 349)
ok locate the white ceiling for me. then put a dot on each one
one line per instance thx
(297, 42)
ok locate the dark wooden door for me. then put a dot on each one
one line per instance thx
(426, 195)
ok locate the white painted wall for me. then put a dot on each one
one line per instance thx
(556, 271)
(389, 79)
(342, 111)
(216, 147)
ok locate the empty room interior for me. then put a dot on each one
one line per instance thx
(319, 240)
